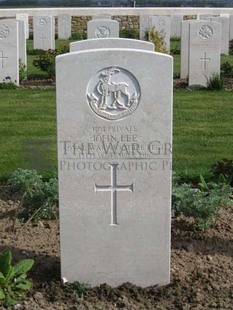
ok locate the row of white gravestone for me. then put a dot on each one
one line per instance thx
(12, 49)
(200, 51)
(114, 149)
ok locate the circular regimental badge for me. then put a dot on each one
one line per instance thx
(205, 32)
(113, 93)
(4, 32)
(42, 22)
(102, 32)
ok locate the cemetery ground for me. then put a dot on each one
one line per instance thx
(201, 261)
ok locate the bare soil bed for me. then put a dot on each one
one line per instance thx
(201, 267)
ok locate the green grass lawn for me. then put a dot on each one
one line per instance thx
(202, 129)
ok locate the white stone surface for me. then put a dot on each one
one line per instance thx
(102, 28)
(162, 25)
(22, 42)
(23, 17)
(114, 123)
(175, 22)
(9, 54)
(224, 20)
(110, 43)
(204, 55)
(184, 49)
(64, 26)
(231, 27)
(43, 32)
(144, 26)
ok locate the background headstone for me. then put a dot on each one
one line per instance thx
(64, 26)
(162, 25)
(144, 26)
(9, 53)
(102, 28)
(175, 25)
(224, 21)
(114, 148)
(43, 32)
(110, 43)
(184, 49)
(24, 17)
(231, 27)
(204, 52)
(22, 42)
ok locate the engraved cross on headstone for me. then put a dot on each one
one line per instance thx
(205, 60)
(113, 188)
(2, 59)
(42, 38)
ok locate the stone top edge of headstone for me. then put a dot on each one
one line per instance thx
(72, 54)
(111, 39)
(96, 20)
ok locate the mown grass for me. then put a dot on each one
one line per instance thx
(202, 129)
(26, 116)
(202, 132)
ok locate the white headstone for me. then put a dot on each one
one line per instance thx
(175, 21)
(144, 26)
(110, 43)
(9, 54)
(204, 16)
(64, 26)
(184, 50)
(204, 55)
(43, 32)
(24, 17)
(114, 149)
(161, 24)
(22, 41)
(224, 21)
(102, 28)
(231, 27)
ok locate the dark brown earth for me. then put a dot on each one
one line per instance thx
(201, 267)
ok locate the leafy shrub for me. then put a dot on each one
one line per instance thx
(22, 71)
(215, 82)
(80, 35)
(40, 198)
(46, 62)
(129, 34)
(13, 282)
(175, 50)
(7, 85)
(202, 203)
(36, 51)
(227, 70)
(157, 38)
(231, 47)
(224, 168)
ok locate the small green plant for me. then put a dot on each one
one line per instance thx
(223, 170)
(79, 290)
(227, 70)
(129, 34)
(79, 35)
(22, 71)
(175, 43)
(215, 82)
(39, 198)
(46, 62)
(157, 38)
(13, 279)
(231, 47)
(201, 203)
